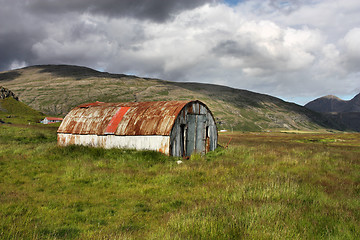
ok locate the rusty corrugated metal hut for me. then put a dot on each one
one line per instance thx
(177, 128)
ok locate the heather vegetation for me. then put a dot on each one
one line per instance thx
(56, 89)
(262, 186)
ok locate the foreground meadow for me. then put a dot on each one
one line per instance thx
(262, 186)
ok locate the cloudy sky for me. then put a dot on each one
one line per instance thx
(297, 50)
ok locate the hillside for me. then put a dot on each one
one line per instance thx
(343, 112)
(55, 89)
(14, 111)
(331, 103)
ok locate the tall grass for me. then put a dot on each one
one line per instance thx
(263, 186)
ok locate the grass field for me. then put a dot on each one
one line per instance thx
(263, 186)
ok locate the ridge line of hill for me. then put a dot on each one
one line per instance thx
(345, 112)
(55, 89)
(332, 103)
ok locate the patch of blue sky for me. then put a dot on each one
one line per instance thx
(279, 3)
(232, 2)
(283, 3)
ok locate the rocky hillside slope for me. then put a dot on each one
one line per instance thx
(55, 89)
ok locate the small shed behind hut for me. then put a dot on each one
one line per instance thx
(48, 120)
(177, 128)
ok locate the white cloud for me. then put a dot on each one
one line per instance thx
(17, 64)
(352, 49)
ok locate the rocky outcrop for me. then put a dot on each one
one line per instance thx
(6, 93)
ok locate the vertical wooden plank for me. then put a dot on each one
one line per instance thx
(200, 134)
(190, 134)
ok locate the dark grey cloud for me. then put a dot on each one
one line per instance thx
(14, 46)
(18, 32)
(234, 48)
(155, 10)
(25, 24)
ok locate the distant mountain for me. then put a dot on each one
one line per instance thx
(343, 112)
(332, 103)
(349, 119)
(354, 104)
(55, 89)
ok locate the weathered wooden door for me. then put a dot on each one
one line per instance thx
(195, 137)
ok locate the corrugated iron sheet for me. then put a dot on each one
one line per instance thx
(115, 120)
(54, 119)
(155, 143)
(140, 118)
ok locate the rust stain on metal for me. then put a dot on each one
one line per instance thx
(60, 140)
(190, 109)
(161, 126)
(164, 148)
(141, 118)
(115, 120)
(207, 144)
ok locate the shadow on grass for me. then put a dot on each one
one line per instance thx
(76, 72)
(8, 76)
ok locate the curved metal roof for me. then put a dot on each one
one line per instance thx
(130, 118)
